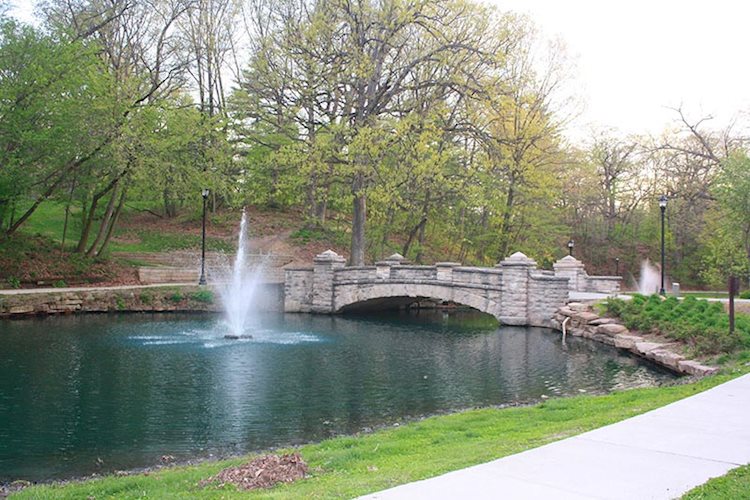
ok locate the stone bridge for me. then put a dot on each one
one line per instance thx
(514, 291)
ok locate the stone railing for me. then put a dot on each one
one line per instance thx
(580, 281)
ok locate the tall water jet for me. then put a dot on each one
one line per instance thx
(650, 279)
(239, 290)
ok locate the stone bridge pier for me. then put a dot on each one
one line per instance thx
(515, 291)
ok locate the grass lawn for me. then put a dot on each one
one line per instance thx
(346, 467)
(734, 485)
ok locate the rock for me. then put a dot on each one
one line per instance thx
(646, 347)
(624, 341)
(586, 316)
(601, 321)
(566, 311)
(23, 309)
(578, 306)
(694, 368)
(611, 329)
(667, 358)
(604, 339)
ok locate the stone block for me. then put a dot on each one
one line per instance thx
(611, 329)
(667, 358)
(22, 309)
(586, 316)
(578, 306)
(625, 341)
(566, 311)
(694, 368)
(644, 348)
(604, 339)
(602, 321)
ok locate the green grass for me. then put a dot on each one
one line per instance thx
(48, 220)
(734, 485)
(346, 467)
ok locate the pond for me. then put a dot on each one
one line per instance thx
(96, 393)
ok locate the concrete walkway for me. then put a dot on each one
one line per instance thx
(660, 454)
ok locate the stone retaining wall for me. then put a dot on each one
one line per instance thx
(152, 299)
(585, 323)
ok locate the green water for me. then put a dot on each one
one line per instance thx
(97, 393)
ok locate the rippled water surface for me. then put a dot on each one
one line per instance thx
(98, 393)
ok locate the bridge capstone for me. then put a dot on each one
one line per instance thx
(515, 291)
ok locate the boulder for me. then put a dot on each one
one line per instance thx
(625, 341)
(586, 317)
(667, 358)
(602, 321)
(578, 306)
(694, 368)
(611, 329)
(646, 347)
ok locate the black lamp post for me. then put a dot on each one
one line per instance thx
(570, 247)
(663, 208)
(617, 266)
(202, 280)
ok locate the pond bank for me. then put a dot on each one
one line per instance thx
(581, 321)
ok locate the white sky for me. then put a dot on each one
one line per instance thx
(636, 58)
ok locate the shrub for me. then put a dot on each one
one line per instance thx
(146, 298)
(745, 294)
(205, 296)
(59, 284)
(119, 303)
(176, 297)
(14, 282)
(702, 325)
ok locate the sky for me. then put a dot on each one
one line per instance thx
(635, 59)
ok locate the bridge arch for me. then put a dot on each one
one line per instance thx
(350, 295)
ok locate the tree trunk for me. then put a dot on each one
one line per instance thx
(104, 224)
(407, 246)
(88, 221)
(113, 222)
(359, 217)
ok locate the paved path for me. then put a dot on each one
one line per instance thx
(660, 454)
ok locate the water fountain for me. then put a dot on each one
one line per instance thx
(650, 279)
(239, 288)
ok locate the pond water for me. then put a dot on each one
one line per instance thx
(98, 393)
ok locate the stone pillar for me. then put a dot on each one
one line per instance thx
(571, 268)
(445, 270)
(324, 266)
(514, 308)
(383, 267)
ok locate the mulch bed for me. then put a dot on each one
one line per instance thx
(263, 472)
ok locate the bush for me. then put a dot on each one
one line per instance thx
(59, 284)
(176, 297)
(702, 325)
(146, 298)
(745, 294)
(205, 296)
(14, 282)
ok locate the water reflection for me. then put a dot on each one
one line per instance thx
(97, 393)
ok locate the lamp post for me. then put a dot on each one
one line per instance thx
(617, 266)
(570, 247)
(663, 208)
(202, 280)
